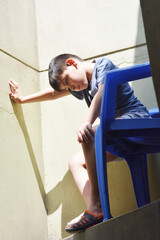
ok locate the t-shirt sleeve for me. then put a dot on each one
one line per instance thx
(104, 66)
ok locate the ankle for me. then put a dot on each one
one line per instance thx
(95, 208)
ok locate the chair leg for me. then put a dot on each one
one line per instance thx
(138, 167)
(100, 149)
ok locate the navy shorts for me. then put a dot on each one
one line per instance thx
(136, 114)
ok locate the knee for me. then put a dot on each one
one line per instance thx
(72, 162)
(75, 161)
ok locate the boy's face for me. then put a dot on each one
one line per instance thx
(74, 77)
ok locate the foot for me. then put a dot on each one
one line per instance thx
(95, 209)
(87, 220)
(76, 219)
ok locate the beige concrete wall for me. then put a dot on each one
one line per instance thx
(19, 30)
(22, 213)
(46, 134)
(88, 29)
(60, 121)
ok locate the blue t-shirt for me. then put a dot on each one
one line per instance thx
(125, 101)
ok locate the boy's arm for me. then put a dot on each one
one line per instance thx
(85, 133)
(48, 94)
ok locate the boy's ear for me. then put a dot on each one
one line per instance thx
(71, 62)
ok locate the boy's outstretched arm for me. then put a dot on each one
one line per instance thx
(86, 133)
(48, 94)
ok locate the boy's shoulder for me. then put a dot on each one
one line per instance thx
(104, 63)
(102, 66)
(102, 59)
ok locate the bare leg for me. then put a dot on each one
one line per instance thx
(94, 205)
(77, 167)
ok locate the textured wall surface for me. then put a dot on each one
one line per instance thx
(37, 140)
(22, 214)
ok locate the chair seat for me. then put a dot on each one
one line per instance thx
(144, 140)
(119, 128)
(133, 145)
(138, 123)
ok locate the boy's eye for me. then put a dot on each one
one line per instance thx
(66, 81)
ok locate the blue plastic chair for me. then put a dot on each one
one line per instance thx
(131, 139)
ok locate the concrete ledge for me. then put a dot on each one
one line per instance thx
(140, 224)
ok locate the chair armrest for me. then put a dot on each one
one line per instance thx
(113, 79)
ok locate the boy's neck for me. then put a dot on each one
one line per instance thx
(89, 70)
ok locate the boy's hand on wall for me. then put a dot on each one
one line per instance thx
(85, 134)
(15, 92)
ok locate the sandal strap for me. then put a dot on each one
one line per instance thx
(87, 220)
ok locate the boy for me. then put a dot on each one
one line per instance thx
(69, 74)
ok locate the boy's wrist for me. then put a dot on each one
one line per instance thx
(86, 122)
(21, 100)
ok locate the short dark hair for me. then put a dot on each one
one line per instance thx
(57, 67)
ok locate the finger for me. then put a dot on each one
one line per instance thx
(13, 98)
(13, 87)
(89, 132)
(84, 136)
(88, 135)
(79, 137)
(11, 95)
(79, 140)
(15, 84)
(89, 127)
(11, 84)
(12, 80)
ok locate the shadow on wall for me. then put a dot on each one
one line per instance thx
(146, 93)
(17, 108)
(61, 195)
